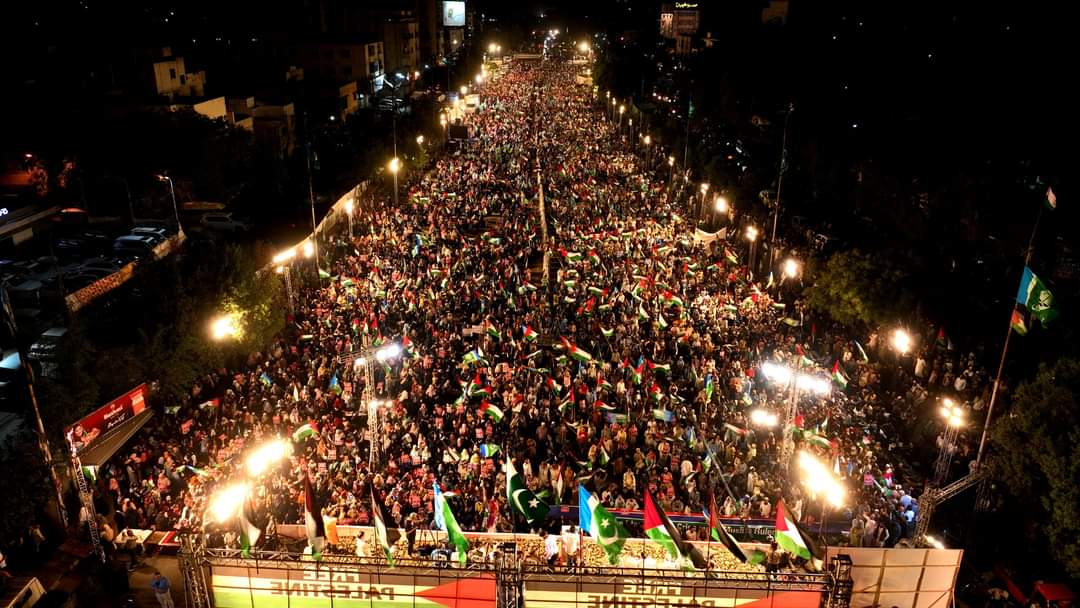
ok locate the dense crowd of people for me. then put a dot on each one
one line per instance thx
(633, 364)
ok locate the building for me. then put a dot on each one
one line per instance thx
(213, 108)
(275, 126)
(356, 59)
(171, 78)
(401, 43)
(775, 13)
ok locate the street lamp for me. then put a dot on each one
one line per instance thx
(395, 166)
(901, 341)
(751, 235)
(172, 193)
(791, 268)
(721, 204)
(622, 109)
(491, 48)
(954, 417)
(224, 327)
(286, 269)
(763, 418)
(584, 47)
(225, 504)
(479, 78)
(464, 89)
(261, 458)
(419, 140)
(308, 248)
(349, 212)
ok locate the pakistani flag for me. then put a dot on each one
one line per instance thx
(305, 431)
(386, 537)
(522, 498)
(249, 532)
(444, 519)
(595, 520)
(787, 535)
(1034, 294)
(313, 521)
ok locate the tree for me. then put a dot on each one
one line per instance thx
(25, 496)
(856, 288)
(1037, 457)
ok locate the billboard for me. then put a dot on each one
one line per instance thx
(98, 423)
(453, 14)
(329, 585)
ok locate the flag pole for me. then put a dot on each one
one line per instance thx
(1005, 349)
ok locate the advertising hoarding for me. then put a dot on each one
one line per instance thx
(98, 423)
(453, 14)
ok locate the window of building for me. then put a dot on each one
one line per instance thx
(172, 73)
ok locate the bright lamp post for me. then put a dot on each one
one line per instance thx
(349, 208)
(283, 261)
(820, 481)
(367, 358)
(791, 268)
(795, 382)
(751, 236)
(224, 327)
(901, 341)
(701, 201)
(954, 417)
(622, 109)
(395, 166)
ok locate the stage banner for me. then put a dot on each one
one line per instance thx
(98, 423)
(325, 585)
(701, 236)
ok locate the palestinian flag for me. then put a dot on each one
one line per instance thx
(493, 331)
(576, 352)
(788, 536)
(838, 376)
(554, 386)
(661, 367)
(386, 537)
(474, 357)
(305, 431)
(1017, 323)
(594, 259)
(607, 332)
(313, 521)
(720, 533)
(474, 385)
(408, 347)
(730, 256)
(670, 299)
(603, 406)
(571, 256)
(655, 530)
(659, 528)
(530, 336)
(249, 532)
(816, 440)
(601, 383)
(655, 392)
(491, 411)
(596, 291)
(526, 287)
(636, 373)
(642, 315)
(565, 405)
(444, 519)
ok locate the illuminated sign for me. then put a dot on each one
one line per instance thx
(3, 211)
(453, 14)
(686, 5)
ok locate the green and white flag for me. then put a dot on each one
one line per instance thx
(524, 501)
(444, 519)
(1036, 297)
(598, 523)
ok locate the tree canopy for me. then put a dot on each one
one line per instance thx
(1037, 457)
(855, 288)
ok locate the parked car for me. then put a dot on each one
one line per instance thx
(151, 231)
(11, 376)
(225, 222)
(133, 246)
(44, 353)
(107, 264)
